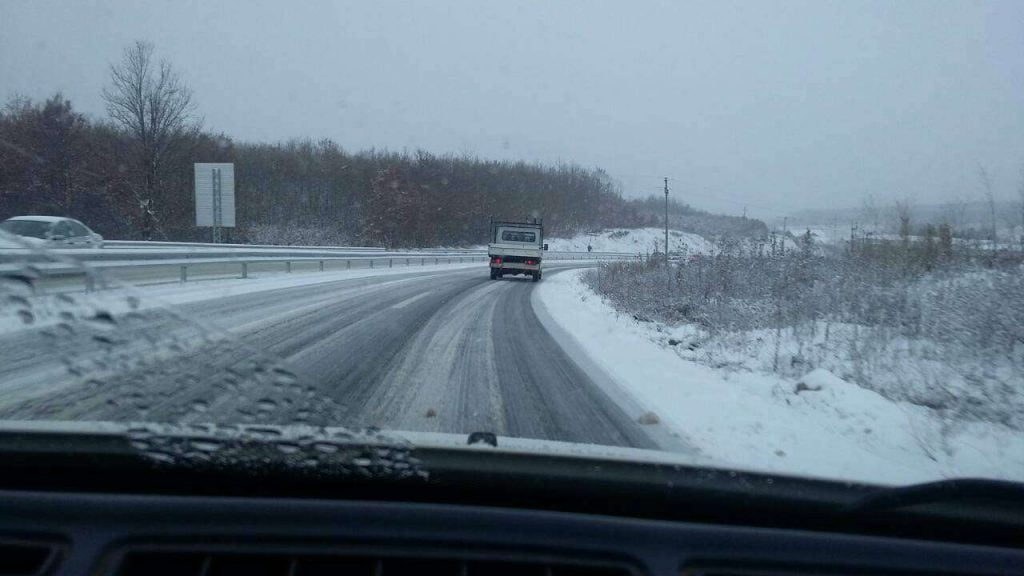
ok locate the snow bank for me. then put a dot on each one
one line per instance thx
(816, 425)
(633, 241)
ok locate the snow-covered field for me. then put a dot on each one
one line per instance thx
(633, 241)
(737, 415)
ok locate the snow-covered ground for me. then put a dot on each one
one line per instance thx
(815, 425)
(633, 241)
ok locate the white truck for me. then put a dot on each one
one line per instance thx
(516, 248)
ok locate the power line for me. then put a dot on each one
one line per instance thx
(727, 199)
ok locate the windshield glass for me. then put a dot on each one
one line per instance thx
(779, 236)
(31, 228)
(511, 236)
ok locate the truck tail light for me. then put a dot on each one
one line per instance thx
(531, 262)
(496, 260)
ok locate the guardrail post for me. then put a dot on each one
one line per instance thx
(321, 265)
(435, 260)
(371, 262)
(407, 261)
(423, 261)
(391, 262)
(288, 266)
(348, 264)
(245, 269)
(184, 274)
(90, 284)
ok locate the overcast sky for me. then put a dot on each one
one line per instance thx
(773, 105)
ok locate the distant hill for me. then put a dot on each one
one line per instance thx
(650, 212)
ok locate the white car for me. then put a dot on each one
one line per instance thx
(52, 232)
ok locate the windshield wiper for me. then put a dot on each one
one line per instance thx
(944, 491)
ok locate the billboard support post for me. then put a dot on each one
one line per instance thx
(215, 197)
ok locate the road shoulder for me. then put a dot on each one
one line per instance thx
(828, 428)
(553, 320)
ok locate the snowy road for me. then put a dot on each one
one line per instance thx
(445, 351)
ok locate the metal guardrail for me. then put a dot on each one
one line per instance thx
(141, 244)
(153, 244)
(222, 268)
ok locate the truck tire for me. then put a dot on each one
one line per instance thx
(536, 276)
(494, 273)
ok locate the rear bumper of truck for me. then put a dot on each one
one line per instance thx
(515, 267)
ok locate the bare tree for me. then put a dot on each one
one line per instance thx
(903, 215)
(986, 189)
(870, 211)
(152, 104)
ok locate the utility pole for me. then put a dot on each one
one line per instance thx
(785, 232)
(666, 222)
(668, 270)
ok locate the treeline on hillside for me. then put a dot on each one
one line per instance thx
(650, 211)
(130, 175)
(54, 160)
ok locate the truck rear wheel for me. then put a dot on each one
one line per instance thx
(494, 273)
(536, 276)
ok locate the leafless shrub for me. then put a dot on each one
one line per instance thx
(880, 317)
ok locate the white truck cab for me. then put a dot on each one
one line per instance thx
(516, 248)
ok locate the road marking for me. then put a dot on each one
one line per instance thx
(408, 301)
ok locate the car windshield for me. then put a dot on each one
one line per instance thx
(782, 236)
(512, 236)
(30, 228)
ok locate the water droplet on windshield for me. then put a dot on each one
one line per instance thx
(18, 300)
(284, 376)
(161, 456)
(266, 405)
(133, 302)
(288, 447)
(141, 433)
(200, 405)
(325, 447)
(206, 445)
(103, 318)
(19, 282)
(26, 316)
